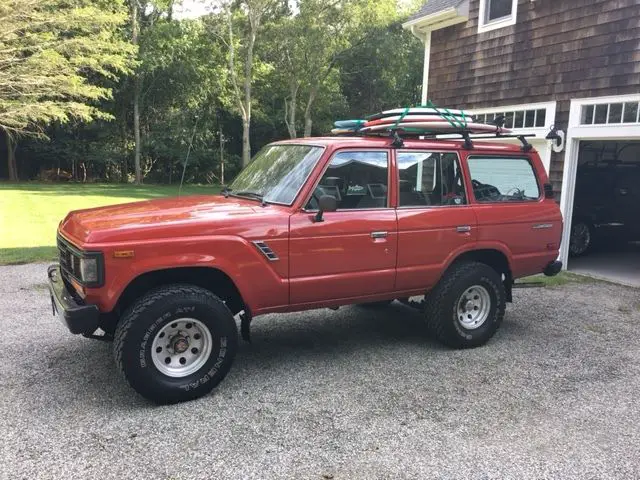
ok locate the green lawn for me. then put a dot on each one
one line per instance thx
(30, 212)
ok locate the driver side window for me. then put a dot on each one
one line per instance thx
(357, 180)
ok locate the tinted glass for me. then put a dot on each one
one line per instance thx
(498, 9)
(430, 179)
(630, 112)
(587, 115)
(615, 113)
(277, 172)
(357, 180)
(503, 179)
(601, 113)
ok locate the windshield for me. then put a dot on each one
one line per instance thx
(277, 173)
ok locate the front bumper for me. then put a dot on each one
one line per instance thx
(79, 319)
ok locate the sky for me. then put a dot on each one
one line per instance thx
(197, 8)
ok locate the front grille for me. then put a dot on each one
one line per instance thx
(69, 262)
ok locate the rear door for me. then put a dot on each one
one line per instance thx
(352, 252)
(511, 210)
(435, 220)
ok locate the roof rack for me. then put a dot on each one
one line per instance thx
(398, 134)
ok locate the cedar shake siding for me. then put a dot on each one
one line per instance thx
(557, 50)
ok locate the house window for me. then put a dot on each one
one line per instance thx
(610, 113)
(517, 119)
(496, 14)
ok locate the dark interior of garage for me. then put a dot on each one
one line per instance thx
(605, 232)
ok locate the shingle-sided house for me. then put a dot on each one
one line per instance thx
(572, 64)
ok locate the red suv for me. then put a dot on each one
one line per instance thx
(319, 222)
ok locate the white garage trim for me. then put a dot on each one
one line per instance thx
(577, 132)
(542, 145)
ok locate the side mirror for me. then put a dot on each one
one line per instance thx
(326, 203)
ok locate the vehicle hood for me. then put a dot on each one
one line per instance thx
(161, 218)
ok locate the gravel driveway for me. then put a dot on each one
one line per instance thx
(345, 394)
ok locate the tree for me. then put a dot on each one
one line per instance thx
(251, 14)
(314, 41)
(53, 53)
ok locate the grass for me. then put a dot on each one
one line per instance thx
(563, 278)
(30, 212)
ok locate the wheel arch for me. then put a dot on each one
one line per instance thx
(209, 278)
(492, 257)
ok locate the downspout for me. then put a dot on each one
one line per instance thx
(426, 39)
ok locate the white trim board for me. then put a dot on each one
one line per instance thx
(576, 133)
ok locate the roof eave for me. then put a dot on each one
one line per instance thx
(435, 21)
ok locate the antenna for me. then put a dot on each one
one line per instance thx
(184, 168)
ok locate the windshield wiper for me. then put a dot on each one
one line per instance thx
(255, 195)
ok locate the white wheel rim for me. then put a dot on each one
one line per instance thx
(181, 347)
(473, 307)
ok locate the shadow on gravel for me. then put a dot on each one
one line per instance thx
(278, 342)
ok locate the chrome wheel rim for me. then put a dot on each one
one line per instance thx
(580, 238)
(473, 307)
(181, 347)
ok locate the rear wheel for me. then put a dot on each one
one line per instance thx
(176, 343)
(581, 239)
(466, 308)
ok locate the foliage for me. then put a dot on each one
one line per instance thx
(50, 53)
(313, 61)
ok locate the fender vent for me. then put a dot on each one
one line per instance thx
(266, 251)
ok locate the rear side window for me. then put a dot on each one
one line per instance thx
(430, 179)
(503, 179)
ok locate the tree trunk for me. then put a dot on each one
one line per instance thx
(11, 159)
(248, 74)
(136, 93)
(290, 107)
(308, 121)
(246, 143)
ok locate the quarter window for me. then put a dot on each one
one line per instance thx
(503, 179)
(357, 180)
(430, 179)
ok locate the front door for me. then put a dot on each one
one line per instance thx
(435, 220)
(352, 252)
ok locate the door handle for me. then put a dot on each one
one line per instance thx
(463, 228)
(376, 235)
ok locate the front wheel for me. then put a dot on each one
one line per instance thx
(176, 343)
(466, 308)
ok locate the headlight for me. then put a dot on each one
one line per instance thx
(89, 270)
(86, 268)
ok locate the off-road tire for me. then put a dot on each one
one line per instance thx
(141, 323)
(442, 302)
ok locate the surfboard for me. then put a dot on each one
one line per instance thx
(343, 131)
(417, 111)
(416, 118)
(349, 123)
(435, 127)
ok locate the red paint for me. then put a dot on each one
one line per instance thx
(319, 264)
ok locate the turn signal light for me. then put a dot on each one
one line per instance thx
(123, 254)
